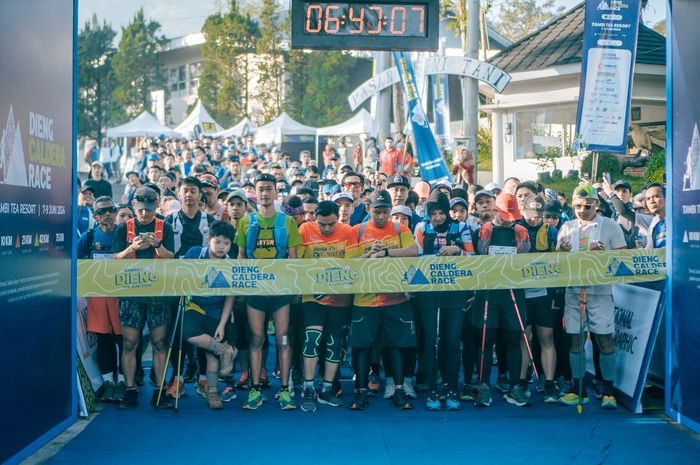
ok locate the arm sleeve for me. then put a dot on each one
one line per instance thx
(622, 209)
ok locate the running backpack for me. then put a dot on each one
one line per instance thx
(361, 231)
(279, 235)
(452, 237)
(131, 230)
(486, 231)
(178, 228)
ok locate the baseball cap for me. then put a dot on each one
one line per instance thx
(622, 184)
(379, 199)
(457, 201)
(507, 206)
(552, 207)
(484, 192)
(399, 180)
(330, 189)
(87, 186)
(343, 196)
(145, 199)
(236, 194)
(209, 180)
(97, 163)
(493, 186)
(401, 209)
(585, 191)
(550, 193)
(265, 177)
(533, 206)
(313, 185)
(153, 156)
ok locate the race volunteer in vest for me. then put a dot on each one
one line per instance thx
(441, 314)
(326, 316)
(190, 229)
(385, 316)
(540, 314)
(500, 308)
(267, 234)
(590, 231)
(144, 237)
(103, 312)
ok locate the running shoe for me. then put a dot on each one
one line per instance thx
(119, 391)
(540, 383)
(308, 400)
(328, 398)
(433, 401)
(373, 385)
(503, 384)
(550, 395)
(243, 382)
(452, 401)
(598, 389)
(166, 401)
(285, 400)
(276, 373)
(201, 387)
(107, 392)
(226, 358)
(517, 396)
(401, 400)
(571, 398)
(483, 396)
(177, 389)
(131, 400)
(408, 388)
(564, 386)
(213, 400)
(264, 381)
(254, 399)
(467, 394)
(360, 401)
(389, 388)
(228, 393)
(609, 403)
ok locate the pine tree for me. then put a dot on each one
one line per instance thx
(519, 18)
(327, 87)
(270, 66)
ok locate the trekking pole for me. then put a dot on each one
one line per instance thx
(483, 342)
(583, 313)
(437, 342)
(181, 309)
(522, 328)
(167, 358)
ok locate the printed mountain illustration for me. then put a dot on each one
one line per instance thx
(414, 276)
(618, 268)
(13, 169)
(691, 178)
(215, 279)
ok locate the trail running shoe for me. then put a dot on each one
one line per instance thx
(389, 388)
(285, 400)
(483, 396)
(228, 393)
(550, 395)
(408, 387)
(433, 401)
(254, 399)
(119, 391)
(213, 400)
(226, 358)
(264, 380)
(328, 398)
(609, 403)
(243, 382)
(107, 392)
(166, 402)
(467, 394)
(452, 401)
(308, 400)
(571, 398)
(201, 387)
(401, 400)
(374, 384)
(361, 400)
(177, 389)
(131, 400)
(503, 384)
(517, 396)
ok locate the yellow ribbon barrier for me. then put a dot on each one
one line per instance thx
(140, 278)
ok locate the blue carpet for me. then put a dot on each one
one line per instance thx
(503, 433)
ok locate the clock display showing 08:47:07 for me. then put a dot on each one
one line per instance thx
(347, 19)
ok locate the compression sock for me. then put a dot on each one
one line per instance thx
(607, 369)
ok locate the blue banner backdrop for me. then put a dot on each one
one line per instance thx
(441, 108)
(431, 162)
(607, 71)
(37, 397)
(683, 320)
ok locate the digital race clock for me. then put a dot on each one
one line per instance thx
(384, 25)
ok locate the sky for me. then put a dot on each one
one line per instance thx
(182, 17)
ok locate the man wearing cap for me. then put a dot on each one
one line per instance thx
(398, 188)
(494, 309)
(210, 190)
(102, 187)
(353, 183)
(590, 231)
(86, 199)
(385, 316)
(346, 206)
(263, 235)
(144, 237)
(484, 203)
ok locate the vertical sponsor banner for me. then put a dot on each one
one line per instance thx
(441, 108)
(37, 400)
(607, 70)
(683, 203)
(432, 165)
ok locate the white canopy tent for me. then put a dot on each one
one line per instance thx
(274, 131)
(198, 116)
(361, 123)
(144, 125)
(243, 128)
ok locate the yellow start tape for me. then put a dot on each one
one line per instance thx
(140, 278)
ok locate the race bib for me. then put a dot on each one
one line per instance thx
(502, 250)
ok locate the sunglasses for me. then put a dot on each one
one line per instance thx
(584, 207)
(141, 198)
(105, 210)
(353, 184)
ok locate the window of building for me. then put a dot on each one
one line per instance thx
(178, 80)
(544, 131)
(195, 72)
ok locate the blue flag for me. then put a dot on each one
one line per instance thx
(430, 161)
(441, 108)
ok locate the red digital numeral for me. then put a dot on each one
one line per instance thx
(420, 10)
(379, 21)
(309, 12)
(331, 21)
(359, 20)
(394, 13)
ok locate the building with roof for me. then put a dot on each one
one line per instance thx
(536, 113)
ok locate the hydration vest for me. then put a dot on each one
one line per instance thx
(361, 231)
(279, 235)
(452, 237)
(178, 228)
(131, 230)
(519, 231)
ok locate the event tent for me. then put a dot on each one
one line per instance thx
(144, 125)
(243, 128)
(278, 130)
(361, 123)
(198, 116)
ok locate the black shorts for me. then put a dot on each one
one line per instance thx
(501, 311)
(540, 312)
(393, 326)
(334, 320)
(269, 304)
(135, 313)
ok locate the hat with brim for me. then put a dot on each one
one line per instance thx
(145, 198)
(402, 210)
(398, 180)
(484, 193)
(379, 199)
(236, 194)
(343, 196)
(507, 206)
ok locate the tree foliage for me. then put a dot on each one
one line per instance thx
(136, 67)
(230, 39)
(518, 18)
(270, 64)
(95, 78)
